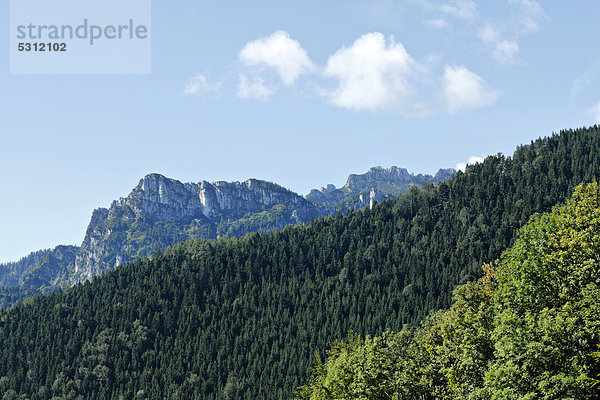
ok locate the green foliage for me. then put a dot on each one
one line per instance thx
(458, 341)
(266, 220)
(525, 330)
(243, 317)
(370, 368)
(548, 312)
(596, 355)
(10, 273)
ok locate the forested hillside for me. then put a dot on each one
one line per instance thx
(160, 212)
(12, 272)
(525, 330)
(243, 318)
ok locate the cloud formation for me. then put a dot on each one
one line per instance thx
(374, 74)
(489, 34)
(463, 90)
(500, 37)
(583, 82)
(199, 84)
(253, 88)
(504, 51)
(280, 52)
(595, 112)
(438, 23)
(472, 160)
(464, 9)
(504, 46)
(531, 14)
(461, 9)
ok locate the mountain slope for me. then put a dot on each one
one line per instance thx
(11, 274)
(375, 185)
(242, 318)
(160, 212)
(508, 325)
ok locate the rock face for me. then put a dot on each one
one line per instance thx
(171, 200)
(377, 184)
(160, 212)
(53, 269)
(443, 175)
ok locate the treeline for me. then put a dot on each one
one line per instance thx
(528, 329)
(243, 318)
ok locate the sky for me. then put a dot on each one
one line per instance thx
(299, 93)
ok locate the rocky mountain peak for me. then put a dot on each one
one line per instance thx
(99, 215)
(160, 211)
(380, 183)
(444, 174)
(392, 174)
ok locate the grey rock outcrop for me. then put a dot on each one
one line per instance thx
(187, 211)
(161, 211)
(383, 182)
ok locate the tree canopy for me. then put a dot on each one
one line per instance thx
(526, 330)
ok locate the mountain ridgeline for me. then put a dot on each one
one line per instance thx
(242, 318)
(160, 212)
(376, 185)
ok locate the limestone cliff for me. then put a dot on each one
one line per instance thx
(161, 211)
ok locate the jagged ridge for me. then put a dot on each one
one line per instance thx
(161, 211)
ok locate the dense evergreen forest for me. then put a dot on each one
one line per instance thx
(528, 329)
(243, 318)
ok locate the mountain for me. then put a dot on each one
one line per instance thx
(240, 318)
(40, 268)
(11, 274)
(375, 185)
(52, 269)
(160, 212)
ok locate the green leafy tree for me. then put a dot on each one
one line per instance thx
(548, 297)
(381, 367)
(525, 330)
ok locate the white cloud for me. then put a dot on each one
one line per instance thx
(531, 13)
(533, 6)
(253, 88)
(278, 51)
(463, 89)
(464, 9)
(502, 39)
(584, 80)
(489, 34)
(506, 51)
(595, 112)
(199, 84)
(373, 74)
(472, 160)
(437, 23)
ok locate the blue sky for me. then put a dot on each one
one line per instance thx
(299, 93)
